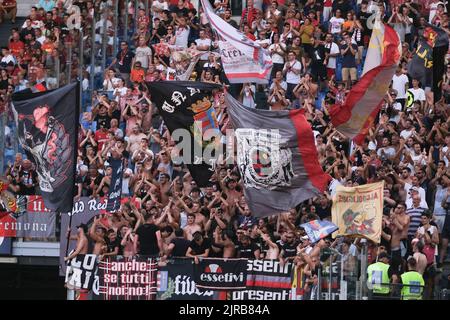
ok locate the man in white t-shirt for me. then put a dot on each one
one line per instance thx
(143, 54)
(386, 152)
(203, 44)
(408, 131)
(417, 156)
(400, 83)
(182, 33)
(331, 53)
(277, 52)
(292, 70)
(411, 192)
(418, 93)
(335, 24)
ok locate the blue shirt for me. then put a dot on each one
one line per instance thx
(348, 59)
(47, 5)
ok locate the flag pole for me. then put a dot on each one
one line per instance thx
(77, 116)
(68, 233)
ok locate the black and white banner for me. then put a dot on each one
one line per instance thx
(80, 272)
(175, 281)
(221, 274)
(266, 280)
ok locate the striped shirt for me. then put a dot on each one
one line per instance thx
(414, 215)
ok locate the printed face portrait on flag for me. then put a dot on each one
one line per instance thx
(47, 131)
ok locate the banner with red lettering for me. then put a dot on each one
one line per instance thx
(243, 59)
(122, 278)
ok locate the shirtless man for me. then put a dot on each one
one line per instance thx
(273, 251)
(82, 242)
(191, 227)
(399, 224)
(164, 185)
(420, 257)
(223, 239)
(97, 233)
(200, 219)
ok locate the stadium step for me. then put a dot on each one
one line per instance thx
(24, 6)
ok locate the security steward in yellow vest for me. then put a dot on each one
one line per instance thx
(413, 282)
(379, 276)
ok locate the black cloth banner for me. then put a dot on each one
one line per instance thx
(188, 105)
(175, 281)
(266, 280)
(122, 278)
(80, 272)
(427, 64)
(115, 188)
(221, 274)
(47, 125)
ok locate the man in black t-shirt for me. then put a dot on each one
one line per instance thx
(247, 249)
(178, 246)
(149, 238)
(363, 17)
(199, 246)
(123, 61)
(323, 208)
(289, 248)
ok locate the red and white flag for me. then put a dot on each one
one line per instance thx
(356, 116)
(243, 59)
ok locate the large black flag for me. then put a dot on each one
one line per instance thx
(427, 64)
(47, 124)
(187, 110)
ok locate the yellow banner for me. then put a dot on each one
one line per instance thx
(358, 211)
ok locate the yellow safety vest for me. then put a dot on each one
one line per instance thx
(414, 285)
(378, 277)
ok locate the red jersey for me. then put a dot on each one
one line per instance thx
(15, 47)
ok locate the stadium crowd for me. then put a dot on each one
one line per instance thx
(318, 50)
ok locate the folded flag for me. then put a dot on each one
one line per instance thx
(356, 116)
(428, 62)
(318, 229)
(276, 156)
(47, 125)
(243, 59)
(188, 113)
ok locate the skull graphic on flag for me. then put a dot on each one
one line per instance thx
(262, 159)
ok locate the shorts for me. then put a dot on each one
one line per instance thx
(349, 73)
